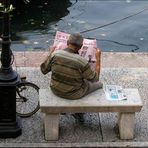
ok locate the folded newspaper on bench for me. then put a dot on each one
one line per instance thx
(87, 51)
(114, 92)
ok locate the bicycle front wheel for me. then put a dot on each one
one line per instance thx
(27, 101)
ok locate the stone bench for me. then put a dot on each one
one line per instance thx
(52, 106)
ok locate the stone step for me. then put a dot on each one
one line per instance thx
(108, 59)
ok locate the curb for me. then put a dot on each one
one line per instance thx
(89, 144)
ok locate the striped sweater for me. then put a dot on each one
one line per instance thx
(69, 72)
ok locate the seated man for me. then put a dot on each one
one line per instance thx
(71, 74)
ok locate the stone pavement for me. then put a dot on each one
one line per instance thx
(127, 69)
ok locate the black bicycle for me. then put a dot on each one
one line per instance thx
(27, 98)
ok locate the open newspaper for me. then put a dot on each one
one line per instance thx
(87, 51)
(114, 92)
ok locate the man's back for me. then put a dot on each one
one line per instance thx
(67, 74)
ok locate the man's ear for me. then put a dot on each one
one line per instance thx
(67, 42)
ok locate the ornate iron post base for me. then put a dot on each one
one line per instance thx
(9, 124)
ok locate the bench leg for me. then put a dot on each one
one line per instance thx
(126, 125)
(51, 126)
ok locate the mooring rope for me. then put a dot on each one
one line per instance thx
(115, 21)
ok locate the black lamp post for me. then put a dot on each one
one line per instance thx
(9, 125)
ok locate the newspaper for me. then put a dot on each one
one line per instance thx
(87, 51)
(114, 92)
(60, 41)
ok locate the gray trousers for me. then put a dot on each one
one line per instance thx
(93, 86)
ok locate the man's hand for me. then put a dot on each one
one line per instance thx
(98, 58)
(52, 49)
(98, 53)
